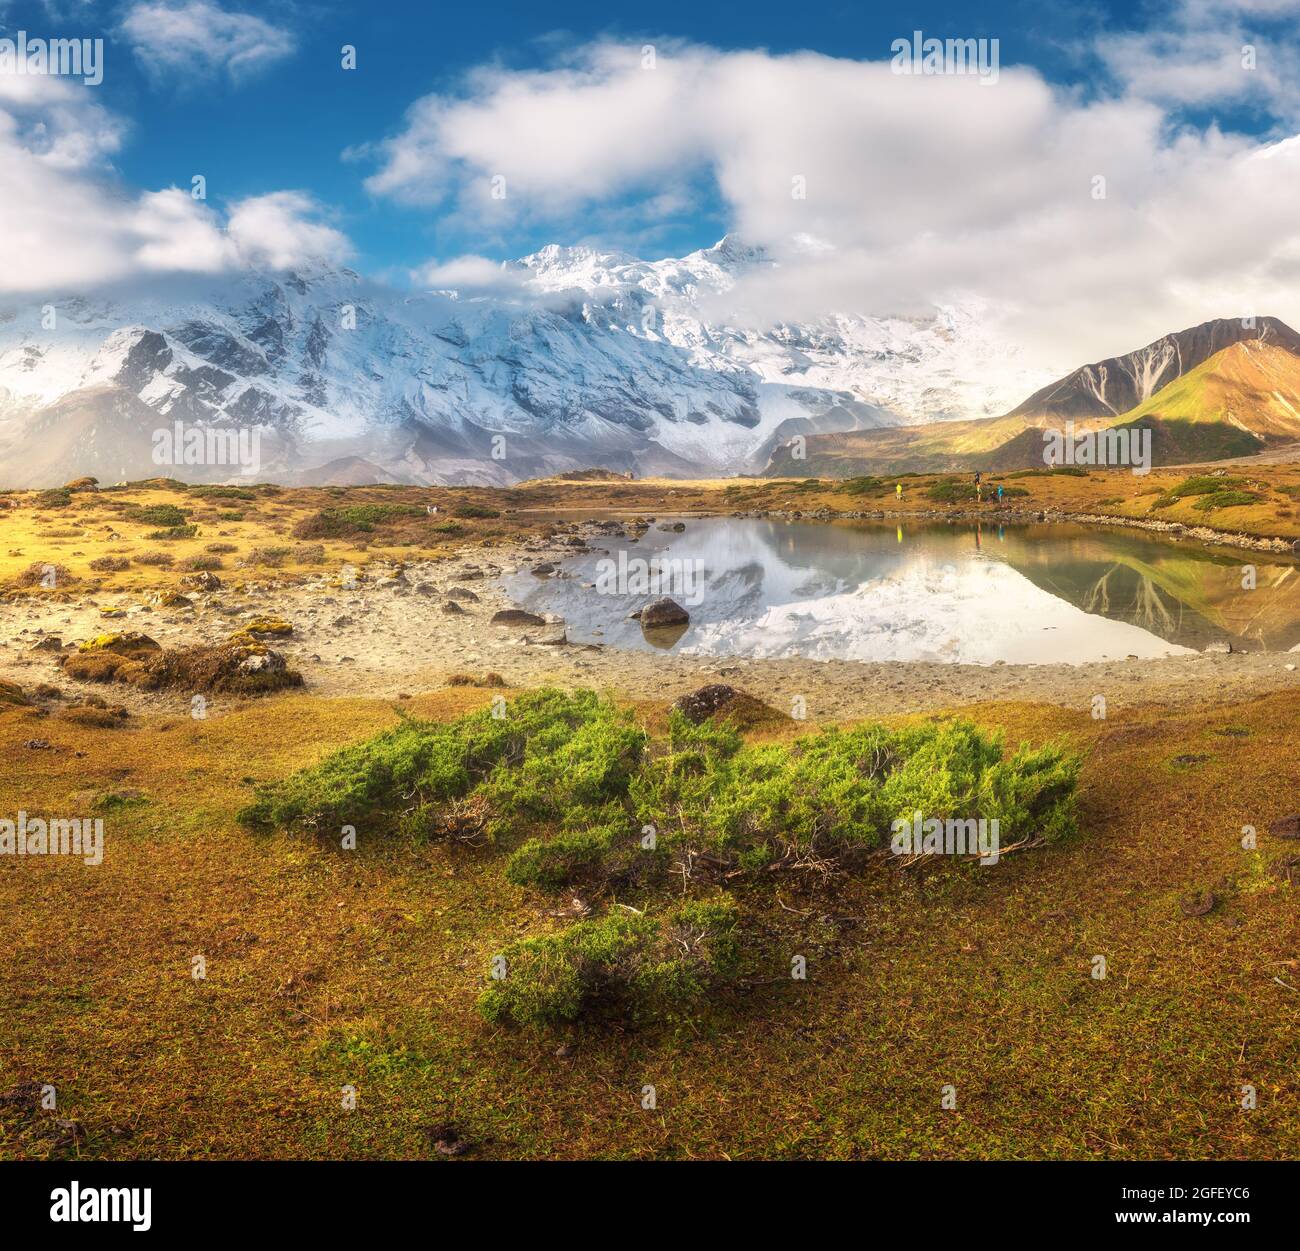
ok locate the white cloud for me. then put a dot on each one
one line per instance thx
(1203, 53)
(199, 40)
(919, 189)
(282, 230)
(66, 223)
(470, 275)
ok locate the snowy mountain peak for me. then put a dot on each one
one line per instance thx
(731, 252)
(596, 358)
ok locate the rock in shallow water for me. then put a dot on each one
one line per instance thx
(663, 612)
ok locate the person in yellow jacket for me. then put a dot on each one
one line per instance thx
(898, 491)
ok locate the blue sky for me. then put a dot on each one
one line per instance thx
(290, 124)
(1126, 171)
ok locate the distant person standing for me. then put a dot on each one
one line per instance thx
(999, 493)
(898, 491)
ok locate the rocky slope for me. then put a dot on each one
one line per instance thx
(1213, 392)
(1120, 383)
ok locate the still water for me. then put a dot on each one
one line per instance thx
(875, 591)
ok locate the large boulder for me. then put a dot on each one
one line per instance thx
(664, 612)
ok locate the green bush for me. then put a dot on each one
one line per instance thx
(223, 493)
(592, 800)
(1201, 484)
(642, 965)
(470, 511)
(575, 775)
(172, 533)
(165, 516)
(516, 759)
(952, 491)
(334, 523)
(836, 794)
(866, 485)
(612, 852)
(1225, 499)
(58, 497)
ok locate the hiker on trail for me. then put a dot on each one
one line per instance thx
(999, 493)
(898, 490)
(977, 477)
(979, 491)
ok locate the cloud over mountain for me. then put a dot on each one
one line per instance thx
(1088, 219)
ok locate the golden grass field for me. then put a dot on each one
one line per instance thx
(76, 534)
(327, 968)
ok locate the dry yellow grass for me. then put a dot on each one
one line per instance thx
(262, 544)
(327, 968)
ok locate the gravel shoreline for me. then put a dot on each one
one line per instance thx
(394, 634)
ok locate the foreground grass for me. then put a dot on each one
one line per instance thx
(327, 969)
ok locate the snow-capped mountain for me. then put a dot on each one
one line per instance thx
(576, 358)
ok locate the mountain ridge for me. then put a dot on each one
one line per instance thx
(593, 358)
(1119, 384)
(1236, 402)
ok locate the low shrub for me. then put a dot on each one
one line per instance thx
(223, 493)
(418, 763)
(475, 679)
(162, 515)
(270, 557)
(334, 523)
(1199, 484)
(46, 574)
(100, 717)
(640, 965)
(952, 491)
(1225, 499)
(866, 485)
(12, 695)
(582, 780)
(240, 666)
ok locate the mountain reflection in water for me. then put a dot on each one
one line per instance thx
(966, 594)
